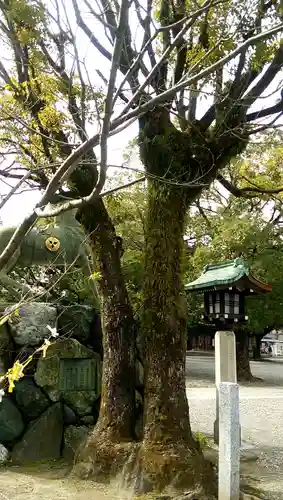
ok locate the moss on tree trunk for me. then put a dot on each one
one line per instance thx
(102, 455)
(164, 322)
(169, 454)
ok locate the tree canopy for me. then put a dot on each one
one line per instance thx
(207, 64)
(224, 227)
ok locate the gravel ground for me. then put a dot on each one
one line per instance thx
(261, 413)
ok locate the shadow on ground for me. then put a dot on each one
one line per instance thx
(261, 469)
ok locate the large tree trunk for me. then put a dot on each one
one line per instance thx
(244, 373)
(102, 454)
(256, 349)
(117, 404)
(169, 455)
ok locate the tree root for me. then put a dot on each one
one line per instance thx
(147, 467)
(102, 458)
(164, 467)
(150, 471)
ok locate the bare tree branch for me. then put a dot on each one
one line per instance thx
(118, 44)
(187, 25)
(16, 239)
(128, 115)
(89, 33)
(277, 108)
(30, 220)
(6, 76)
(195, 78)
(112, 25)
(15, 188)
(70, 163)
(145, 48)
(72, 204)
(266, 79)
(110, 17)
(247, 192)
(243, 81)
(119, 93)
(146, 23)
(73, 107)
(203, 214)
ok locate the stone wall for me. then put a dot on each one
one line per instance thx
(52, 409)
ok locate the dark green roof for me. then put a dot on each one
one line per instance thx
(225, 274)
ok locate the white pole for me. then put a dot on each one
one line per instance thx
(229, 442)
(225, 367)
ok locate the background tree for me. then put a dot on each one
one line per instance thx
(127, 210)
(225, 227)
(216, 49)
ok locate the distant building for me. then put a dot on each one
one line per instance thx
(272, 343)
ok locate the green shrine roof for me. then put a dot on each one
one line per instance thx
(222, 274)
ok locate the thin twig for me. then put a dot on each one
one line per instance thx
(71, 205)
(115, 63)
(89, 32)
(168, 51)
(15, 188)
(167, 94)
(134, 65)
(70, 163)
(79, 203)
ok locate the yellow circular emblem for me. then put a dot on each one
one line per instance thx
(52, 244)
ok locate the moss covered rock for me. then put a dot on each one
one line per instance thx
(74, 437)
(51, 376)
(43, 438)
(30, 399)
(11, 422)
(29, 324)
(75, 321)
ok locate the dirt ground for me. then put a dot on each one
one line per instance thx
(52, 482)
(256, 478)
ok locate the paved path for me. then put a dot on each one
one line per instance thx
(202, 368)
(261, 413)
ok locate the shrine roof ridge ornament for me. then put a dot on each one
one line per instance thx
(228, 273)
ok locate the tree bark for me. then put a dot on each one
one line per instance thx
(117, 401)
(169, 454)
(256, 349)
(164, 324)
(244, 373)
(116, 422)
